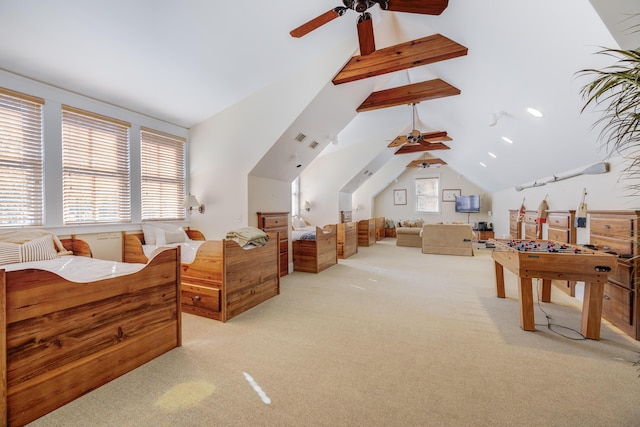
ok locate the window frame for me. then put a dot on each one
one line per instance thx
(434, 195)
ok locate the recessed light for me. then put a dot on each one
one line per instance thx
(534, 112)
(483, 165)
(492, 155)
(505, 139)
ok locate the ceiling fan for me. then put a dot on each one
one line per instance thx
(416, 137)
(426, 163)
(365, 23)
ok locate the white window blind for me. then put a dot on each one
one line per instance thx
(163, 175)
(95, 167)
(21, 160)
(427, 195)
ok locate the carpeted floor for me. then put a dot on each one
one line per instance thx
(388, 337)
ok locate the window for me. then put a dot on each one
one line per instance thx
(427, 194)
(163, 175)
(21, 160)
(295, 197)
(95, 168)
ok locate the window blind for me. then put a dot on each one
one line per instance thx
(21, 160)
(95, 167)
(163, 175)
(427, 194)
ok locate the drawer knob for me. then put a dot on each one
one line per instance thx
(606, 297)
(196, 298)
(607, 226)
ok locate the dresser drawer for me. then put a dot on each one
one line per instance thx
(623, 275)
(558, 221)
(614, 227)
(275, 222)
(558, 235)
(611, 244)
(530, 217)
(513, 216)
(529, 231)
(617, 305)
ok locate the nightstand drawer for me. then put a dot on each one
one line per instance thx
(558, 221)
(275, 223)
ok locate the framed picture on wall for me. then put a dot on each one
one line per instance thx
(399, 197)
(449, 195)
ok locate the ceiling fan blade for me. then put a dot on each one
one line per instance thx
(400, 140)
(425, 7)
(365, 34)
(317, 22)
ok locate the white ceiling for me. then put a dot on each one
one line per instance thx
(185, 61)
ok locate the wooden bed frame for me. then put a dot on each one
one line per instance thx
(366, 232)
(347, 239)
(224, 280)
(314, 256)
(379, 228)
(62, 339)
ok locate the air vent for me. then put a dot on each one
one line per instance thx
(301, 137)
(313, 144)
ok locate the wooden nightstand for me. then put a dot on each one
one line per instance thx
(484, 235)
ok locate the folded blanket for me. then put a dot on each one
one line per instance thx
(24, 235)
(248, 235)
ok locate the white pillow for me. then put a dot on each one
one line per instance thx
(9, 253)
(38, 249)
(151, 232)
(165, 237)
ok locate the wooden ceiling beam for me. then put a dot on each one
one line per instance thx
(408, 94)
(411, 148)
(411, 54)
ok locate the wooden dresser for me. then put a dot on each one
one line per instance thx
(617, 231)
(515, 227)
(530, 225)
(345, 216)
(561, 228)
(272, 222)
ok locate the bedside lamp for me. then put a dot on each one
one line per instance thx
(191, 202)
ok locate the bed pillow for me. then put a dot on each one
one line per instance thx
(151, 232)
(39, 249)
(9, 253)
(165, 237)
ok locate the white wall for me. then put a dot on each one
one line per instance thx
(383, 203)
(604, 192)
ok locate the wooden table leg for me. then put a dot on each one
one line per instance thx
(546, 290)
(525, 289)
(499, 279)
(592, 310)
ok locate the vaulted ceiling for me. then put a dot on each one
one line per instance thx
(185, 61)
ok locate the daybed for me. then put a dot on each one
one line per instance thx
(347, 239)
(447, 239)
(86, 322)
(408, 233)
(366, 232)
(315, 250)
(221, 279)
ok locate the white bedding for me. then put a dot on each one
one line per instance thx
(188, 250)
(79, 268)
(301, 231)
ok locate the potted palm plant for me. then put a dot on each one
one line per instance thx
(616, 91)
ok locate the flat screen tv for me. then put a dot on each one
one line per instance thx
(468, 204)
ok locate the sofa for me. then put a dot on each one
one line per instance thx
(447, 239)
(408, 233)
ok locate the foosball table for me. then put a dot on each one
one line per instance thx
(550, 260)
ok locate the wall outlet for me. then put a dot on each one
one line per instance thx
(114, 235)
(103, 236)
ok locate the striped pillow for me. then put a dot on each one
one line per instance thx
(38, 249)
(9, 253)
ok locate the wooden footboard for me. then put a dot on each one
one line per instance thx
(366, 232)
(63, 339)
(314, 256)
(224, 279)
(347, 239)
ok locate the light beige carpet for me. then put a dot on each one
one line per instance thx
(388, 337)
